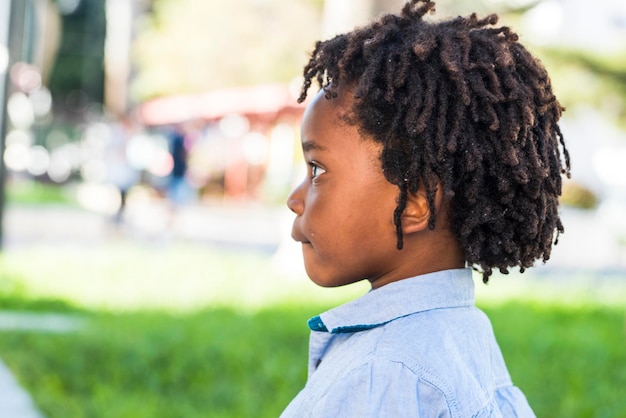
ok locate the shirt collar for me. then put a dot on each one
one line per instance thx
(442, 289)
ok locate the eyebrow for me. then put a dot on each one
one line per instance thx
(312, 145)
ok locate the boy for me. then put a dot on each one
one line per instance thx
(433, 148)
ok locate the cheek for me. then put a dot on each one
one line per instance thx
(359, 211)
(327, 221)
(379, 207)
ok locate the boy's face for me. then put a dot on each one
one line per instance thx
(345, 205)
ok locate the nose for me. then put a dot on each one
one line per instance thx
(295, 200)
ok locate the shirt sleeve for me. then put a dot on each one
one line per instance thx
(382, 388)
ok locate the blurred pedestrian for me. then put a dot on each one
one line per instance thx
(120, 172)
(177, 187)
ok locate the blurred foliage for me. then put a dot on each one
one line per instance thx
(568, 361)
(186, 46)
(580, 77)
(217, 363)
(36, 192)
(189, 46)
(77, 77)
(228, 338)
(224, 362)
(578, 196)
(589, 79)
(504, 8)
(125, 275)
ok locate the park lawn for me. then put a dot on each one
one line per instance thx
(193, 332)
(28, 192)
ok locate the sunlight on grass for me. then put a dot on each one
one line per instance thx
(121, 275)
(188, 330)
(554, 289)
(178, 277)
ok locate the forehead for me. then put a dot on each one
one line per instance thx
(328, 113)
(325, 131)
(337, 104)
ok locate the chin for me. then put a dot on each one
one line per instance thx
(324, 283)
(329, 281)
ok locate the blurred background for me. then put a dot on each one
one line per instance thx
(146, 265)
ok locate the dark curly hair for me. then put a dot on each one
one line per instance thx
(461, 104)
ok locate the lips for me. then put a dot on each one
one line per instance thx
(297, 235)
(300, 238)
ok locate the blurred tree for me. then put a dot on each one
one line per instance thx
(342, 15)
(591, 79)
(581, 76)
(187, 46)
(77, 77)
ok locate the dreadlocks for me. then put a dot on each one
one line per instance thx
(457, 104)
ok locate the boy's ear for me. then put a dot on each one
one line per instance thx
(416, 213)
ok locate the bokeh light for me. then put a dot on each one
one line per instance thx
(39, 160)
(20, 110)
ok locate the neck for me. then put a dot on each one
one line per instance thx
(426, 252)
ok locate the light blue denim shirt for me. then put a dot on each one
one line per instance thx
(413, 348)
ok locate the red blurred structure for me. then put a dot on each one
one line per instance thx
(262, 102)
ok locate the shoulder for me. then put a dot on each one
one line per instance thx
(438, 337)
(382, 386)
(450, 352)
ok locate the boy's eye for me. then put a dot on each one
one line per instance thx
(316, 170)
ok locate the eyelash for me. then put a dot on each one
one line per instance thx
(314, 169)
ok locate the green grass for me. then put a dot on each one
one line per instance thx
(34, 192)
(175, 277)
(217, 362)
(189, 331)
(570, 362)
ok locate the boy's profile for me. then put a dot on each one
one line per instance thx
(433, 149)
